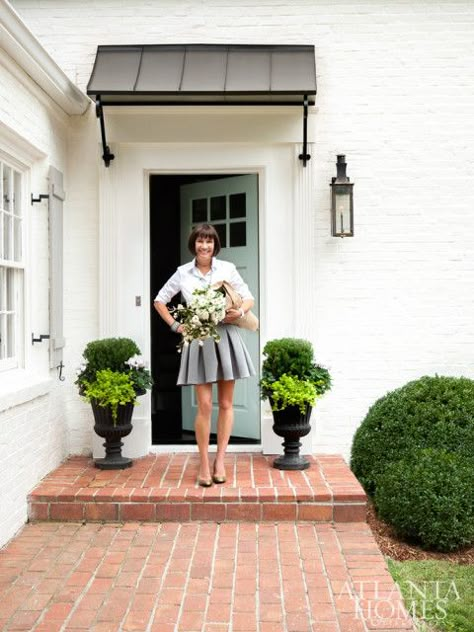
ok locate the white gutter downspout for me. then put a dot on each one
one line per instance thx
(23, 47)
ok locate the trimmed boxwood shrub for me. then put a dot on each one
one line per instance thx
(428, 497)
(295, 357)
(106, 353)
(431, 412)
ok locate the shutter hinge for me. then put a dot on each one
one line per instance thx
(40, 198)
(40, 339)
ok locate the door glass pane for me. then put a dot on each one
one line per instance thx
(218, 207)
(17, 198)
(7, 192)
(7, 219)
(17, 238)
(237, 205)
(238, 234)
(199, 212)
(220, 228)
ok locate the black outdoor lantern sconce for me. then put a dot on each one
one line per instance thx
(342, 202)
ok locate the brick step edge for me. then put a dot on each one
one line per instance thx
(200, 511)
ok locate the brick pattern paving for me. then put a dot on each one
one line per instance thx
(199, 577)
(163, 488)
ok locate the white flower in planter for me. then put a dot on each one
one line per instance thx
(136, 362)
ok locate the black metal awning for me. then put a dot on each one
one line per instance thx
(202, 74)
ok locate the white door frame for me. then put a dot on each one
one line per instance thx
(173, 447)
(283, 184)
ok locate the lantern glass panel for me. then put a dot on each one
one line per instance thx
(342, 210)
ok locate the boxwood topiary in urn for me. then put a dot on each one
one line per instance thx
(111, 376)
(292, 381)
(117, 354)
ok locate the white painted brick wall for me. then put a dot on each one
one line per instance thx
(396, 95)
(33, 435)
(33, 441)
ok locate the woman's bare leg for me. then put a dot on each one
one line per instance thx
(202, 427)
(225, 421)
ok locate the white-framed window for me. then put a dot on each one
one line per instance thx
(11, 265)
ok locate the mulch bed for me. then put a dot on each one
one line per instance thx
(394, 548)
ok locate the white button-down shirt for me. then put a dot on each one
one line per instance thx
(188, 277)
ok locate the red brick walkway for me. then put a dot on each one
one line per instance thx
(202, 577)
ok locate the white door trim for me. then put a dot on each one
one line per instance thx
(285, 193)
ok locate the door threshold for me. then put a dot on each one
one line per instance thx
(179, 447)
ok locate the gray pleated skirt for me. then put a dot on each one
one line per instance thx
(227, 359)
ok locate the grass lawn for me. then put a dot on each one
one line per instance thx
(440, 595)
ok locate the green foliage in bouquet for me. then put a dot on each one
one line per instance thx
(110, 389)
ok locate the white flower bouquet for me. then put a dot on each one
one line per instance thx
(202, 315)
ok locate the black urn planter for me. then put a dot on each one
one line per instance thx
(104, 427)
(291, 424)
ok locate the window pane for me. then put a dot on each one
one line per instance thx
(3, 336)
(218, 207)
(17, 198)
(9, 289)
(1, 235)
(238, 205)
(199, 213)
(3, 283)
(7, 192)
(220, 228)
(17, 226)
(10, 335)
(238, 234)
(7, 243)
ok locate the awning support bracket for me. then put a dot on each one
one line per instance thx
(305, 156)
(107, 156)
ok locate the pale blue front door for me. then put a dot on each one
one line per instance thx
(231, 206)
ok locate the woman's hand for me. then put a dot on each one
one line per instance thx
(180, 329)
(231, 315)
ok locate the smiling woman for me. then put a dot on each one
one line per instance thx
(205, 361)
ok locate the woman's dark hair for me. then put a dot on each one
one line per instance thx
(205, 231)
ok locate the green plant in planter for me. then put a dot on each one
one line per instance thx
(294, 358)
(110, 389)
(292, 381)
(121, 355)
(291, 391)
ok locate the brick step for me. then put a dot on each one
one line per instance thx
(160, 488)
